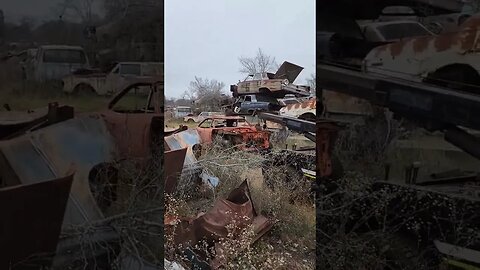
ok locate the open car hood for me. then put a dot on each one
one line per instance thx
(288, 71)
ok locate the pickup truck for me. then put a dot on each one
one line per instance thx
(53, 62)
(276, 85)
(250, 104)
(107, 83)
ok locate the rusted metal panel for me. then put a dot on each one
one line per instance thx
(173, 164)
(212, 226)
(48, 153)
(339, 103)
(32, 217)
(298, 109)
(288, 71)
(184, 139)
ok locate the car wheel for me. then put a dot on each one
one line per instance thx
(236, 109)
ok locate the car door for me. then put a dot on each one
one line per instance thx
(205, 129)
(134, 122)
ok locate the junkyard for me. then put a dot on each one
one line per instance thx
(233, 145)
(409, 197)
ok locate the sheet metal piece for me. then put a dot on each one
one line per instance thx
(184, 139)
(173, 165)
(48, 153)
(32, 217)
(188, 139)
(212, 226)
(288, 71)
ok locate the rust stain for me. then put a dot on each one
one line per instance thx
(396, 48)
(467, 42)
(445, 42)
(421, 44)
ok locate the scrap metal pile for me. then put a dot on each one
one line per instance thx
(63, 171)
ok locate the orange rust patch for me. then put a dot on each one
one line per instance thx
(421, 44)
(445, 42)
(467, 41)
(397, 48)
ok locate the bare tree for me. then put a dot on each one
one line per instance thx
(258, 64)
(115, 8)
(82, 9)
(206, 93)
(311, 81)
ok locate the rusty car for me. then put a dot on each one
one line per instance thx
(306, 109)
(276, 84)
(448, 60)
(233, 130)
(200, 117)
(102, 83)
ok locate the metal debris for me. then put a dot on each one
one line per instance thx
(212, 226)
(32, 220)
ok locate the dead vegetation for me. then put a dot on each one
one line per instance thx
(23, 95)
(364, 225)
(132, 230)
(290, 244)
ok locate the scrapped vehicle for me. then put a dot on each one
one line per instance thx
(290, 99)
(233, 130)
(306, 110)
(91, 145)
(53, 62)
(449, 60)
(200, 117)
(276, 85)
(107, 83)
(181, 111)
(250, 104)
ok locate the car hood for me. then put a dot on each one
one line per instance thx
(288, 71)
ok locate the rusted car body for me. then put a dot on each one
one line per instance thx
(15, 123)
(234, 129)
(213, 226)
(449, 59)
(86, 145)
(276, 85)
(108, 83)
(306, 109)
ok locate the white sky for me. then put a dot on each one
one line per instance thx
(206, 38)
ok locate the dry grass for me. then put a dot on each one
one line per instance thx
(291, 242)
(28, 95)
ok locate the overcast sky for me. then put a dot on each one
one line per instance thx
(205, 38)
